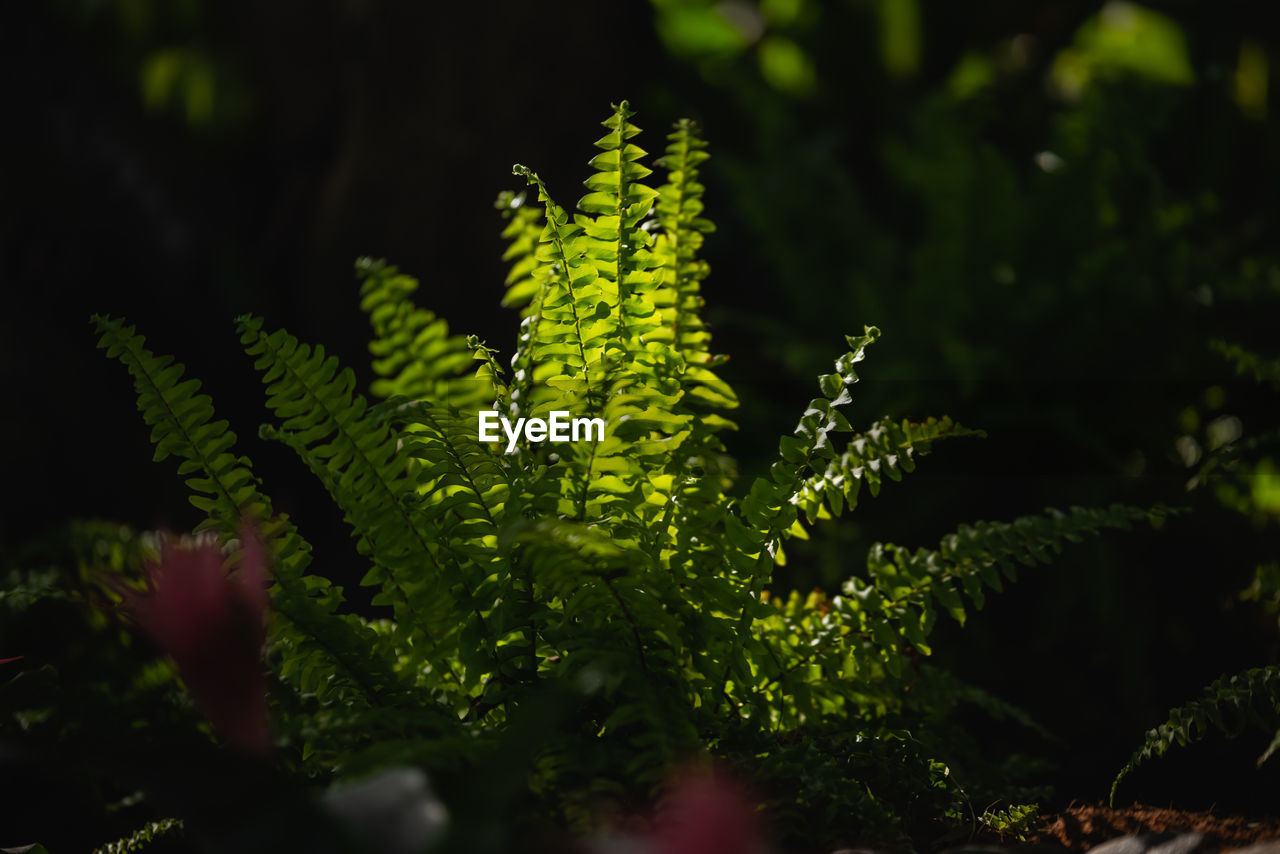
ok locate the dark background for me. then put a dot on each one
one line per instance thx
(180, 163)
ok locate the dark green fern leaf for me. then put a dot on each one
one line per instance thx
(415, 356)
(313, 639)
(355, 452)
(885, 450)
(1230, 704)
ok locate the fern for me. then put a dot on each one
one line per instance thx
(332, 656)
(354, 451)
(626, 573)
(679, 300)
(847, 653)
(141, 839)
(525, 291)
(885, 450)
(1017, 820)
(222, 485)
(417, 357)
(1230, 704)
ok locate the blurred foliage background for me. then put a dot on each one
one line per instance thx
(1051, 208)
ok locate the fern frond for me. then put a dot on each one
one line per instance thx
(679, 299)
(182, 424)
(464, 488)
(859, 635)
(902, 581)
(614, 241)
(522, 234)
(617, 614)
(602, 586)
(768, 510)
(1017, 820)
(525, 291)
(642, 366)
(694, 503)
(886, 450)
(354, 452)
(305, 626)
(567, 347)
(580, 342)
(462, 480)
(597, 340)
(1229, 704)
(572, 329)
(141, 838)
(415, 356)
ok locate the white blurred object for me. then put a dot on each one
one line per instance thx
(394, 812)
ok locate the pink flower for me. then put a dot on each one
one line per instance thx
(704, 813)
(213, 625)
(7, 660)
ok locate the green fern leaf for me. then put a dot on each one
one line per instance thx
(415, 356)
(768, 510)
(860, 635)
(141, 838)
(1229, 705)
(679, 299)
(353, 450)
(885, 450)
(306, 629)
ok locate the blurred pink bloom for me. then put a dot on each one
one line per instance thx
(7, 660)
(213, 625)
(704, 813)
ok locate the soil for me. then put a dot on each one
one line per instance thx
(1079, 828)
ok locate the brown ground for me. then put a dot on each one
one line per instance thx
(1082, 827)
